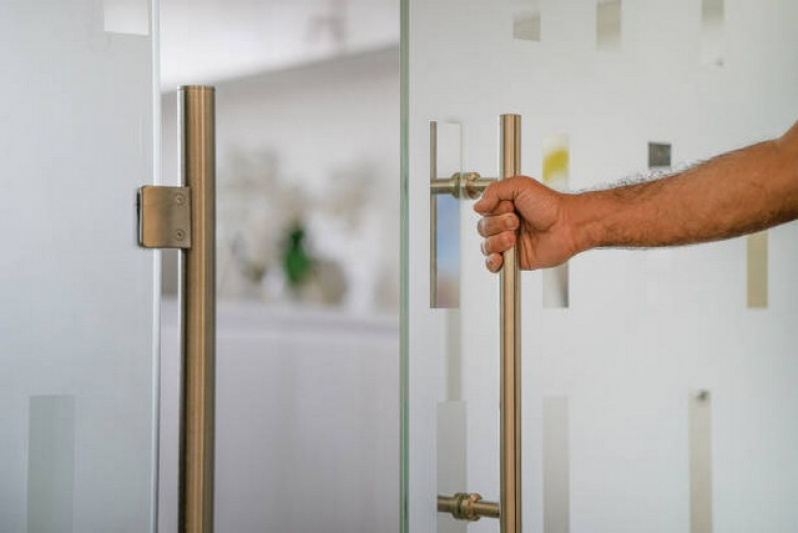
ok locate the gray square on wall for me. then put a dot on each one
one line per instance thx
(659, 155)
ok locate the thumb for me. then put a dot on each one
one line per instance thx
(497, 191)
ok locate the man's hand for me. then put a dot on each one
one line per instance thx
(733, 194)
(521, 209)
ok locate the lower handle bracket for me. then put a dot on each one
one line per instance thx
(468, 507)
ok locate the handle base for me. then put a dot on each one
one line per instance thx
(467, 507)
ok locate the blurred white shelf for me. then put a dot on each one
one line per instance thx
(287, 319)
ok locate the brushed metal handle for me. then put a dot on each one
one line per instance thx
(510, 387)
(198, 312)
(470, 185)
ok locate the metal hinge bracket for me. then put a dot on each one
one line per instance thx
(164, 217)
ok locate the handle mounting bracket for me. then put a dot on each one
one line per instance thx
(463, 185)
(468, 507)
(164, 217)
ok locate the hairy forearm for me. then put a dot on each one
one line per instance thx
(733, 194)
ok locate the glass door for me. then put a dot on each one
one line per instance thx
(78, 296)
(658, 388)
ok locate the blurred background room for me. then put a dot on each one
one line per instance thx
(307, 114)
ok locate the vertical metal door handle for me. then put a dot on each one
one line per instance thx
(198, 311)
(469, 506)
(185, 218)
(510, 387)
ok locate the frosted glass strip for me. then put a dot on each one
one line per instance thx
(556, 466)
(712, 29)
(51, 464)
(608, 25)
(451, 459)
(526, 23)
(454, 357)
(700, 420)
(757, 259)
(446, 280)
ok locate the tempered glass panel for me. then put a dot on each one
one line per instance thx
(644, 328)
(77, 314)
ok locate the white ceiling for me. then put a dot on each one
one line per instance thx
(205, 41)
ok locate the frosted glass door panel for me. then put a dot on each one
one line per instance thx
(77, 296)
(660, 388)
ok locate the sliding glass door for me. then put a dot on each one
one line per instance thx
(658, 389)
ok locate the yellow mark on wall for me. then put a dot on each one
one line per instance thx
(556, 161)
(555, 165)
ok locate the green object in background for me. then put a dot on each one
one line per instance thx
(296, 261)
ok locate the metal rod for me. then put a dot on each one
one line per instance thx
(463, 185)
(489, 509)
(443, 186)
(475, 187)
(448, 504)
(198, 312)
(510, 387)
(433, 215)
(465, 506)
